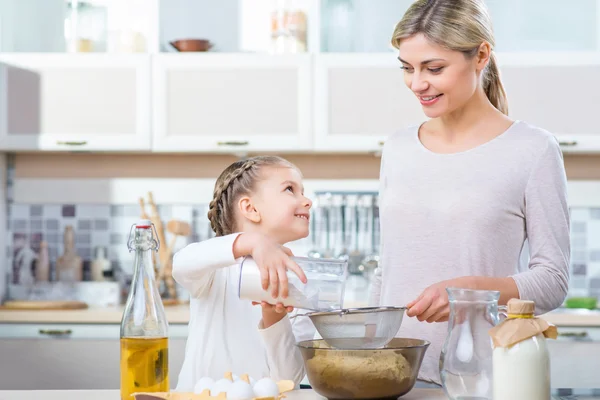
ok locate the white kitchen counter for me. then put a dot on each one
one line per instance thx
(179, 314)
(305, 394)
(573, 317)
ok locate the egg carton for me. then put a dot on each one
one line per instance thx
(283, 387)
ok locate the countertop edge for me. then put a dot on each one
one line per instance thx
(179, 314)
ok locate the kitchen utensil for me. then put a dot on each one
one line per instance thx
(385, 373)
(358, 328)
(191, 45)
(371, 226)
(316, 222)
(351, 235)
(143, 214)
(42, 267)
(155, 256)
(69, 266)
(24, 260)
(43, 305)
(160, 231)
(176, 228)
(466, 359)
(324, 289)
(100, 264)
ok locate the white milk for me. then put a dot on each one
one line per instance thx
(522, 372)
(300, 295)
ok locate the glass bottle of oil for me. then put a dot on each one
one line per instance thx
(144, 338)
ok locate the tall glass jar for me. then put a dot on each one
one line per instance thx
(144, 336)
(466, 359)
(85, 27)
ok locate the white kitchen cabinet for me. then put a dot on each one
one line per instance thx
(231, 103)
(87, 102)
(575, 357)
(556, 91)
(71, 356)
(359, 101)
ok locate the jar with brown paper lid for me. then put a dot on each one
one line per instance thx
(521, 362)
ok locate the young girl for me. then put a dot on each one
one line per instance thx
(258, 205)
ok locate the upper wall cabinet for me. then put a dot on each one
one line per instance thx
(74, 102)
(231, 102)
(558, 93)
(359, 101)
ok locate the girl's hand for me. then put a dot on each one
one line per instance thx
(273, 261)
(432, 305)
(272, 314)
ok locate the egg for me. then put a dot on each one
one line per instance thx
(221, 386)
(266, 387)
(240, 390)
(203, 384)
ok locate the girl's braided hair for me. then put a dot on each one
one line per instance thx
(237, 180)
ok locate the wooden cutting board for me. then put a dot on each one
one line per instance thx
(43, 305)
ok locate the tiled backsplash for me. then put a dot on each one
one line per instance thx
(585, 251)
(95, 226)
(108, 226)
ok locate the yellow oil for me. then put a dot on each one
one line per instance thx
(144, 366)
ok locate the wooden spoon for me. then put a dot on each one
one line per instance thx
(176, 228)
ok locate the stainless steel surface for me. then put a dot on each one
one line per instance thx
(358, 328)
(390, 372)
(346, 226)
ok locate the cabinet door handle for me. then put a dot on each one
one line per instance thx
(382, 142)
(568, 143)
(71, 143)
(573, 334)
(55, 332)
(234, 143)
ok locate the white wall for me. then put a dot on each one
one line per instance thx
(32, 25)
(199, 191)
(128, 190)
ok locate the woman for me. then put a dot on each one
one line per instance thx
(461, 193)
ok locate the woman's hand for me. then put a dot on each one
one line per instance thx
(432, 304)
(272, 314)
(273, 261)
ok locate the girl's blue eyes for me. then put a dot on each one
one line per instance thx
(290, 188)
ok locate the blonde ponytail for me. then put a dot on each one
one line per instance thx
(493, 87)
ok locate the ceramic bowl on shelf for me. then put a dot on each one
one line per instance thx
(185, 45)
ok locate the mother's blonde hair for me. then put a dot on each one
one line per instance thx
(459, 25)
